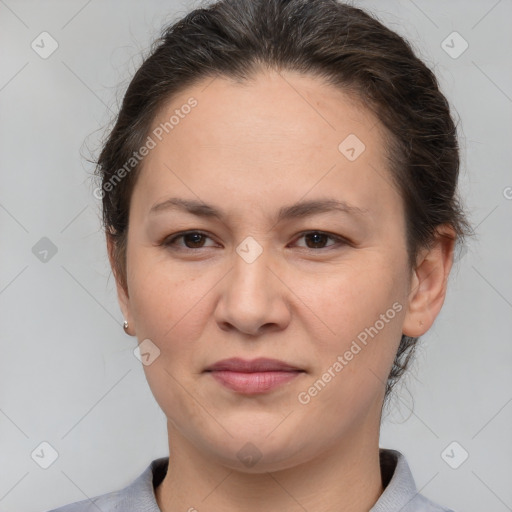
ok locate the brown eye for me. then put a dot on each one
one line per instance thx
(319, 239)
(191, 240)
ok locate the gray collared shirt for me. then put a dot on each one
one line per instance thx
(400, 492)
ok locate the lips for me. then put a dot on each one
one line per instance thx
(262, 364)
(253, 377)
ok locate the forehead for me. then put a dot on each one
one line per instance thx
(274, 138)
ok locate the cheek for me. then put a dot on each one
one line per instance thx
(168, 309)
(165, 300)
(363, 307)
(354, 296)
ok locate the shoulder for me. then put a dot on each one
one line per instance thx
(400, 492)
(139, 495)
(422, 504)
(105, 503)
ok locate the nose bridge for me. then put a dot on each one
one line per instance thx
(250, 275)
(251, 296)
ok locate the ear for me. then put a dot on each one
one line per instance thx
(122, 292)
(429, 282)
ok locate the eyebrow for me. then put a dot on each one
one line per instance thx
(294, 211)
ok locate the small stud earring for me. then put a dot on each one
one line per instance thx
(125, 326)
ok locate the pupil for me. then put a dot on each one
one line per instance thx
(197, 238)
(318, 238)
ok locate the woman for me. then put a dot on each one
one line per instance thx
(279, 200)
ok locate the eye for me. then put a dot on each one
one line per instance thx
(196, 240)
(191, 239)
(318, 239)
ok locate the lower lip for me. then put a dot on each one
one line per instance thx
(252, 383)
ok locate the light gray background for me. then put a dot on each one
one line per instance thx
(68, 375)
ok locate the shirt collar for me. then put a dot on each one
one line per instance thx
(400, 493)
(397, 480)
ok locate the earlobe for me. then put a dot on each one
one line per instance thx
(429, 283)
(122, 292)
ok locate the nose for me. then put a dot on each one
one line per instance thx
(253, 299)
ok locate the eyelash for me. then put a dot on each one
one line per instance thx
(170, 241)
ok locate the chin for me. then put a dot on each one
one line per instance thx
(255, 451)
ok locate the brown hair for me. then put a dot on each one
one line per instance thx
(339, 43)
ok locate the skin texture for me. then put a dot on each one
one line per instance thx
(248, 150)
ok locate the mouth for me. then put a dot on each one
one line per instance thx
(253, 377)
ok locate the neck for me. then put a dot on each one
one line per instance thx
(345, 478)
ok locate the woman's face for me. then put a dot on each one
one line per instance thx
(252, 165)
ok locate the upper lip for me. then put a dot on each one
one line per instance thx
(262, 364)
